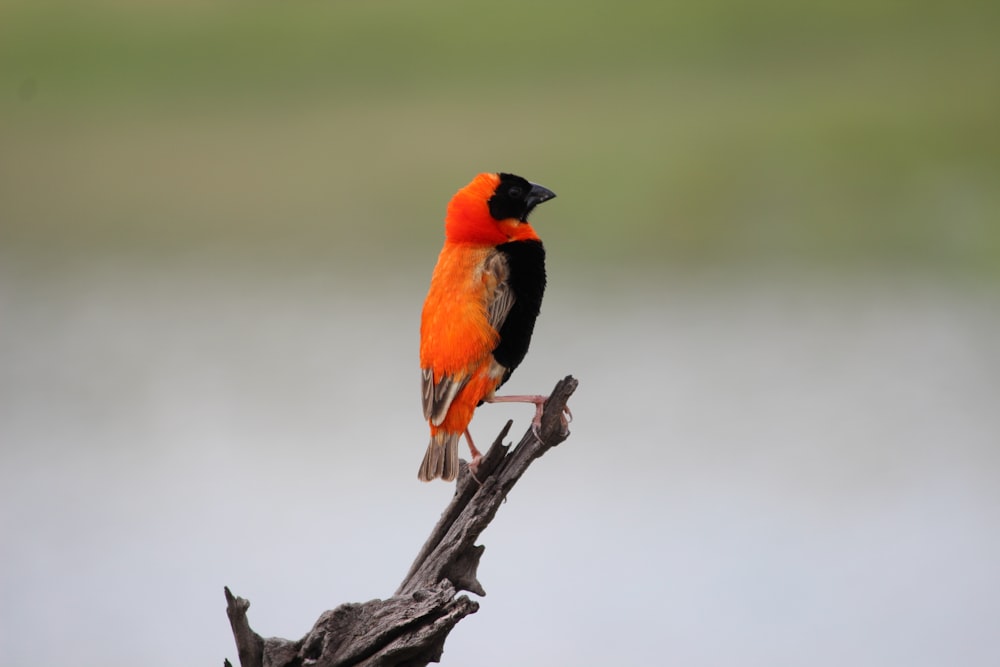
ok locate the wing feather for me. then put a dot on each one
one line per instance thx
(437, 397)
(499, 299)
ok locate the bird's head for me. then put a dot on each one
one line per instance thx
(494, 209)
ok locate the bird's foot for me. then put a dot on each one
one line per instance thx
(477, 457)
(474, 467)
(539, 402)
(564, 419)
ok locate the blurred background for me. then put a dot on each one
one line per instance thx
(774, 267)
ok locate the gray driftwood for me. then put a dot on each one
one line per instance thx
(410, 627)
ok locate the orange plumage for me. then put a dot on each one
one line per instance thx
(480, 311)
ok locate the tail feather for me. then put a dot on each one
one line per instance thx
(441, 459)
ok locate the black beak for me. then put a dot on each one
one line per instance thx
(537, 195)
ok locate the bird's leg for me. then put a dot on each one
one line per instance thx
(476, 457)
(539, 402)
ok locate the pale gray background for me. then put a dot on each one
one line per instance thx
(770, 471)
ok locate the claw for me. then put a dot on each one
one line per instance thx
(474, 467)
(536, 430)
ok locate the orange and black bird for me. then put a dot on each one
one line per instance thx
(480, 311)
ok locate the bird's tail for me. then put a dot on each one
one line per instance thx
(441, 459)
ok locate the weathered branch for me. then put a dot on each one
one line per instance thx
(410, 628)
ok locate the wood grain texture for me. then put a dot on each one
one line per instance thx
(410, 628)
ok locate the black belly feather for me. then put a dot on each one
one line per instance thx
(526, 265)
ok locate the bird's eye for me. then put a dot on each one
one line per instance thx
(514, 193)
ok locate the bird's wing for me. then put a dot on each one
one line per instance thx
(437, 397)
(499, 295)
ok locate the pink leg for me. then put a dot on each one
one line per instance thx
(539, 402)
(476, 455)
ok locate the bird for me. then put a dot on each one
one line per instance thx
(477, 320)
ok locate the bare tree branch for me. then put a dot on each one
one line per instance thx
(410, 628)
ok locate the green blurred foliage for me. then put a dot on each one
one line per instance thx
(675, 133)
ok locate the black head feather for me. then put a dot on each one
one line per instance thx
(515, 197)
